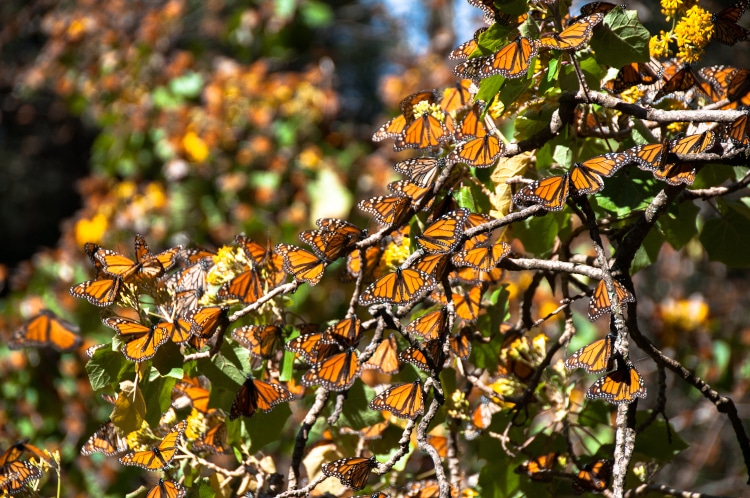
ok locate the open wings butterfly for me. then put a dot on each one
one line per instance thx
(258, 395)
(47, 329)
(593, 358)
(622, 385)
(352, 472)
(167, 489)
(403, 400)
(403, 286)
(160, 456)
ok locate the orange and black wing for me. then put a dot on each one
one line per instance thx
(352, 472)
(422, 171)
(444, 235)
(622, 385)
(213, 440)
(403, 286)
(726, 29)
(105, 440)
(258, 395)
(160, 456)
(263, 341)
(538, 469)
(102, 292)
(511, 61)
(403, 400)
(47, 329)
(483, 258)
(573, 37)
(600, 304)
(385, 357)
(335, 372)
(593, 477)
(584, 181)
(594, 358)
(167, 489)
(140, 341)
(432, 325)
(550, 193)
(303, 265)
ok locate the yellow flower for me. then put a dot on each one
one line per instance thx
(693, 32)
(91, 230)
(395, 254)
(632, 95)
(658, 45)
(669, 7)
(195, 147)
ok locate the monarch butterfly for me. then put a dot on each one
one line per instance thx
(481, 152)
(494, 15)
(258, 395)
(207, 321)
(550, 193)
(336, 372)
(160, 456)
(352, 472)
(444, 235)
(467, 48)
(396, 126)
(402, 400)
(422, 171)
(429, 357)
(428, 130)
(682, 81)
(385, 357)
(739, 130)
(434, 265)
(409, 190)
(401, 287)
(650, 157)
(246, 287)
(481, 417)
(635, 73)
(466, 302)
(473, 124)
(14, 474)
(331, 244)
(368, 433)
(595, 357)
(306, 346)
(355, 264)
(584, 181)
(460, 344)
(433, 325)
(345, 333)
(179, 328)
(606, 164)
(213, 440)
(390, 210)
(376, 494)
(726, 30)
(47, 329)
(167, 489)
(192, 278)
(458, 96)
(472, 221)
(593, 477)
(538, 469)
(147, 265)
(573, 37)
(619, 386)
(263, 341)
(105, 440)
(483, 258)
(693, 144)
(141, 341)
(102, 292)
(194, 391)
(427, 489)
(729, 83)
(511, 61)
(677, 173)
(440, 443)
(304, 266)
(600, 305)
(596, 7)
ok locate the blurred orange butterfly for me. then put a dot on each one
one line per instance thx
(401, 287)
(444, 235)
(593, 477)
(440, 443)
(385, 357)
(105, 440)
(160, 456)
(467, 48)
(458, 96)
(368, 433)
(402, 400)
(739, 131)
(345, 333)
(147, 265)
(263, 341)
(258, 395)
(467, 302)
(334, 239)
(141, 341)
(427, 489)
(600, 304)
(538, 469)
(387, 210)
(303, 265)
(683, 80)
(355, 264)
(573, 37)
(47, 329)
(726, 30)
(595, 357)
(167, 489)
(14, 474)
(213, 440)
(620, 386)
(192, 388)
(433, 325)
(352, 472)
(460, 343)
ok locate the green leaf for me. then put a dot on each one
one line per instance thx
(489, 87)
(316, 14)
(130, 408)
(265, 428)
(538, 233)
(648, 252)
(627, 191)
(485, 355)
(465, 198)
(657, 442)
(157, 391)
(621, 39)
(105, 368)
(725, 236)
(678, 224)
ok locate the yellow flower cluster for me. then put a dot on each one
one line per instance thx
(671, 7)
(693, 32)
(658, 45)
(395, 254)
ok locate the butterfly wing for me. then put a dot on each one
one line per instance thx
(403, 286)
(444, 235)
(550, 193)
(47, 329)
(352, 472)
(403, 400)
(303, 265)
(594, 358)
(105, 440)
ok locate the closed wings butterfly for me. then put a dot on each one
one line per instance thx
(550, 193)
(403, 400)
(594, 358)
(105, 440)
(390, 210)
(538, 469)
(484, 257)
(160, 456)
(263, 341)
(403, 286)
(303, 265)
(385, 357)
(352, 472)
(167, 489)
(600, 303)
(422, 171)
(432, 325)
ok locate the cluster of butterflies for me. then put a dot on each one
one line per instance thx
(592, 477)
(668, 161)
(14, 472)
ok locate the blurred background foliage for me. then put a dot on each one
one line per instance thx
(191, 121)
